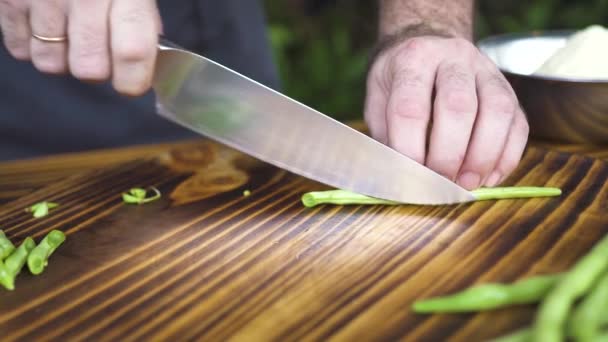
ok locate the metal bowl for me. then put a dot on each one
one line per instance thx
(558, 108)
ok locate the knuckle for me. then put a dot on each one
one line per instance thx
(90, 62)
(406, 110)
(463, 43)
(89, 40)
(466, 47)
(49, 65)
(483, 166)
(503, 105)
(406, 77)
(415, 44)
(456, 75)
(500, 84)
(130, 53)
(135, 15)
(94, 71)
(410, 49)
(459, 102)
(447, 165)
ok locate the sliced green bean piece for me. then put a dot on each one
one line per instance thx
(41, 209)
(6, 246)
(14, 263)
(138, 196)
(344, 197)
(586, 320)
(37, 260)
(554, 310)
(490, 296)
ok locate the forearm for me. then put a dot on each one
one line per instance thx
(447, 17)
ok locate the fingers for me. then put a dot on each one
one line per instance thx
(409, 105)
(375, 108)
(48, 19)
(15, 28)
(89, 55)
(497, 109)
(454, 113)
(478, 131)
(134, 37)
(513, 151)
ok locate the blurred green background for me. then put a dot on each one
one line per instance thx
(321, 47)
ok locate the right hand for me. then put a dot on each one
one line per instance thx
(106, 39)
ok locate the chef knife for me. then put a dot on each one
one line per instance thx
(212, 100)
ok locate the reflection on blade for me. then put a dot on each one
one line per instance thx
(232, 109)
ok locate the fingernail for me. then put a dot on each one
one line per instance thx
(494, 179)
(469, 180)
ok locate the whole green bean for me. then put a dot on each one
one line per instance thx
(585, 322)
(525, 334)
(6, 246)
(37, 260)
(554, 309)
(490, 296)
(14, 263)
(343, 197)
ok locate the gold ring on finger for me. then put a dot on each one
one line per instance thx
(50, 39)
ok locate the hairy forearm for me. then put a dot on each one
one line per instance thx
(448, 17)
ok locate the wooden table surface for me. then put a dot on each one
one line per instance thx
(204, 262)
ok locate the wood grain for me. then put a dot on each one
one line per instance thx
(206, 263)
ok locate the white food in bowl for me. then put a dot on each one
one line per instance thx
(585, 55)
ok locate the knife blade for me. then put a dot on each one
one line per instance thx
(212, 100)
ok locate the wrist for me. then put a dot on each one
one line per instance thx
(419, 29)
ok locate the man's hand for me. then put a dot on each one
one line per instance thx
(441, 102)
(105, 39)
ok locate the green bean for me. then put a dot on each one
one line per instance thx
(340, 197)
(483, 194)
(602, 338)
(138, 196)
(41, 209)
(37, 259)
(585, 322)
(490, 296)
(521, 335)
(525, 334)
(555, 307)
(343, 197)
(14, 263)
(6, 246)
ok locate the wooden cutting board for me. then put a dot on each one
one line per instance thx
(205, 262)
